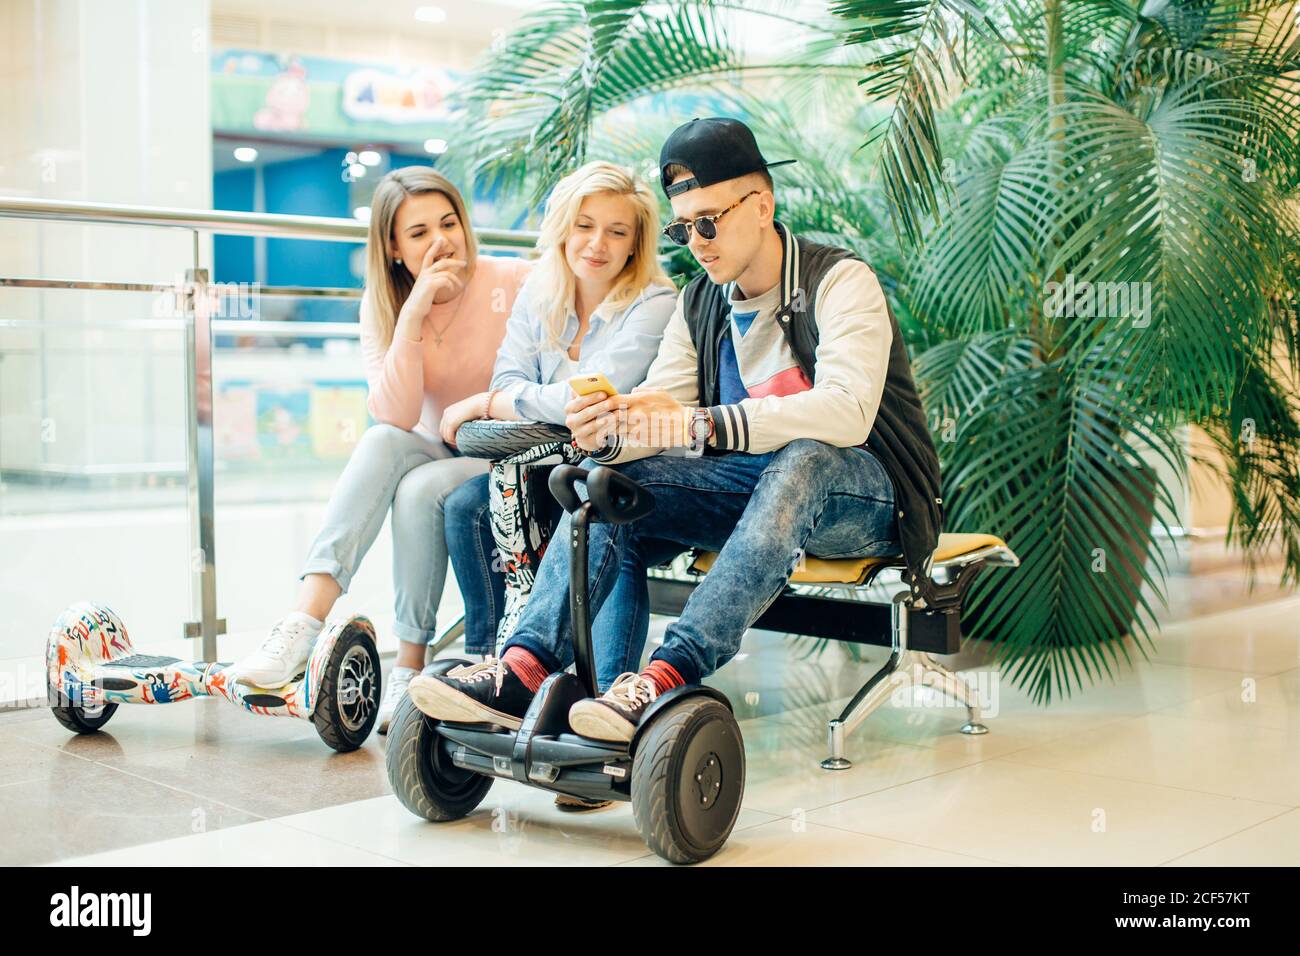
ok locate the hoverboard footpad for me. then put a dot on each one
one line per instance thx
(263, 700)
(141, 660)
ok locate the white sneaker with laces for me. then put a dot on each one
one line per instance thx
(398, 680)
(284, 653)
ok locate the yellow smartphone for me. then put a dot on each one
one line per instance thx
(586, 384)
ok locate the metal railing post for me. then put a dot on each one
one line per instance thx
(199, 463)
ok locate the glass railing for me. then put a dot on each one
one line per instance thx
(165, 438)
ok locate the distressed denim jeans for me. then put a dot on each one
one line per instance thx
(618, 631)
(762, 513)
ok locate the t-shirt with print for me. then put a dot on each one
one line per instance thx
(754, 358)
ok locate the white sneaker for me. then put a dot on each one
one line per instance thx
(283, 655)
(398, 680)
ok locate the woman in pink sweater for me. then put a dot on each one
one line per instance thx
(432, 318)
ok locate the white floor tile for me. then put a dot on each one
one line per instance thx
(514, 826)
(1233, 757)
(1035, 816)
(1274, 842)
(265, 843)
(792, 842)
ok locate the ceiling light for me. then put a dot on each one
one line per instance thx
(245, 154)
(369, 157)
(435, 146)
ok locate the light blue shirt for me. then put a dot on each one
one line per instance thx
(620, 343)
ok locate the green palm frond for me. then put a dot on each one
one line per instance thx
(980, 263)
(535, 98)
(1259, 440)
(1053, 456)
(569, 62)
(1193, 23)
(1227, 75)
(1284, 298)
(1091, 33)
(923, 51)
(958, 375)
(1174, 176)
(1173, 213)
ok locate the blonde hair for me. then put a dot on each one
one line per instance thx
(388, 283)
(553, 273)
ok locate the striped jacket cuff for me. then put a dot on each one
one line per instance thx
(613, 447)
(730, 427)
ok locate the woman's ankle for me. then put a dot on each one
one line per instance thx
(410, 654)
(318, 595)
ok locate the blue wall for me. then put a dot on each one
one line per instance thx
(312, 186)
(233, 255)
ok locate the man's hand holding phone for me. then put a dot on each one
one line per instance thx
(649, 416)
(589, 419)
(590, 424)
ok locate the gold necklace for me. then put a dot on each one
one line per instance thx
(439, 333)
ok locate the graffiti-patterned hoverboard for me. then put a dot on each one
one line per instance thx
(91, 668)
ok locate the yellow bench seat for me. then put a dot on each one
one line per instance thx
(954, 548)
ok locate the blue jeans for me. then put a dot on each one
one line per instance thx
(618, 631)
(411, 475)
(760, 512)
(468, 528)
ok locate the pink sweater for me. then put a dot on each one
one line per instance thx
(411, 383)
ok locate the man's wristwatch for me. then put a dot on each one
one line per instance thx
(699, 429)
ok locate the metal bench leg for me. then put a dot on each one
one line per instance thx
(896, 673)
(903, 669)
(446, 639)
(933, 674)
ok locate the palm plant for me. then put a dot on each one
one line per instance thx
(1151, 153)
(1016, 159)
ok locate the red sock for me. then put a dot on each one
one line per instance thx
(663, 675)
(526, 667)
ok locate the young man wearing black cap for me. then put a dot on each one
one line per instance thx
(784, 366)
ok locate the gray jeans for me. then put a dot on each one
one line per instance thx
(412, 475)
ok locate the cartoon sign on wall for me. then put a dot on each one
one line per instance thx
(372, 95)
(287, 100)
(323, 98)
(262, 424)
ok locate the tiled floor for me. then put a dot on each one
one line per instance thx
(1186, 759)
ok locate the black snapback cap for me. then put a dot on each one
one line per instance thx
(714, 149)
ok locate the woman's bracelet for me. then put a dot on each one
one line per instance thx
(487, 405)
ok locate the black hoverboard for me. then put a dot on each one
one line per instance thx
(683, 771)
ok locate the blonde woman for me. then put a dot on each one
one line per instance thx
(597, 301)
(432, 318)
